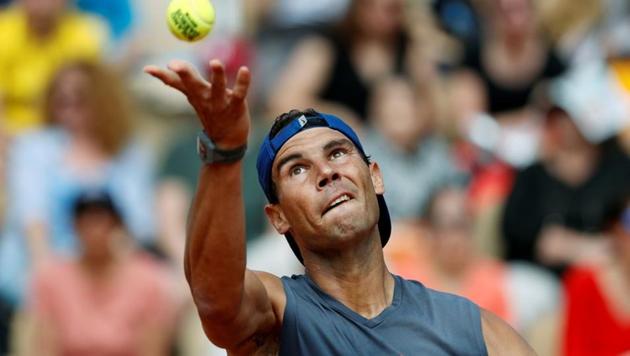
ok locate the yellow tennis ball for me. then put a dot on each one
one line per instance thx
(190, 20)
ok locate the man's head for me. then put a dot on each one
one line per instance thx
(398, 112)
(322, 189)
(98, 225)
(43, 15)
(450, 224)
(562, 131)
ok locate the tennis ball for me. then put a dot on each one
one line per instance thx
(190, 20)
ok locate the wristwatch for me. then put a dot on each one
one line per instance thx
(210, 153)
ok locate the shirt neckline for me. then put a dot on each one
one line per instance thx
(351, 314)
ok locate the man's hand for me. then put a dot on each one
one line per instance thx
(222, 111)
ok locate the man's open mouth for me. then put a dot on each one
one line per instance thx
(335, 203)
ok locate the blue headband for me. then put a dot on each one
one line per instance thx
(270, 147)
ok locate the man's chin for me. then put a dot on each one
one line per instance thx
(348, 226)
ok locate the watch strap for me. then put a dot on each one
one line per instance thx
(209, 153)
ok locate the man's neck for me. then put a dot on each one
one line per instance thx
(97, 269)
(359, 279)
(42, 30)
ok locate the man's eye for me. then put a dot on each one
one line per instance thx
(337, 154)
(297, 170)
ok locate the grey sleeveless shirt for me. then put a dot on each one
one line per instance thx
(420, 321)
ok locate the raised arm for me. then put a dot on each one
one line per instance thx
(240, 310)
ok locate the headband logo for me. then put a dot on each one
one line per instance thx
(302, 121)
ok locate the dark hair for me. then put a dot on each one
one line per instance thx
(285, 118)
(348, 28)
(97, 200)
(111, 124)
(281, 121)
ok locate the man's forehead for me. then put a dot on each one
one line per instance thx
(309, 139)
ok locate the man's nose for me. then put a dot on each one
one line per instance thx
(327, 174)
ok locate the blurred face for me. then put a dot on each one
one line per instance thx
(452, 243)
(515, 16)
(397, 114)
(561, 131)
(43, 14)
(379, 17)
(325, 190)
(97, 229)
(70, 107)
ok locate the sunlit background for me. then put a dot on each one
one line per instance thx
(502, 128)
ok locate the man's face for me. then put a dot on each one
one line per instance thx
(326, 191)
(96, 229)
(43, 14)
(380, 17)
(70, 101)
(452, 245)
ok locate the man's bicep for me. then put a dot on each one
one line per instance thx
(259, 316)
(500, 338)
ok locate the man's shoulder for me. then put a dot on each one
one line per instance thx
(500, 338)
(55, 273)
(10, 16)
(11, 28)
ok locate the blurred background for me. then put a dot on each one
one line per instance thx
(502, 128)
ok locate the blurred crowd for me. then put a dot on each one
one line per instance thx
(502, 128)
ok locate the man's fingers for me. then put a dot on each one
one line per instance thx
(165, 76)
(190, 78)
(243, 79)
(218, 79)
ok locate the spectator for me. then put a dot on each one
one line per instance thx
(554, 214)
(597, 314)
(452, 263)
(88, 142)
(415, 162)
(335, 71)
(511, 58)
(109, 300)
(37, 37)
(499, 77)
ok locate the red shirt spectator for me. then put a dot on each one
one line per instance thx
(594, 324)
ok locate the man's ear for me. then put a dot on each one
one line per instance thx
(377, 178)
(276, 217)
